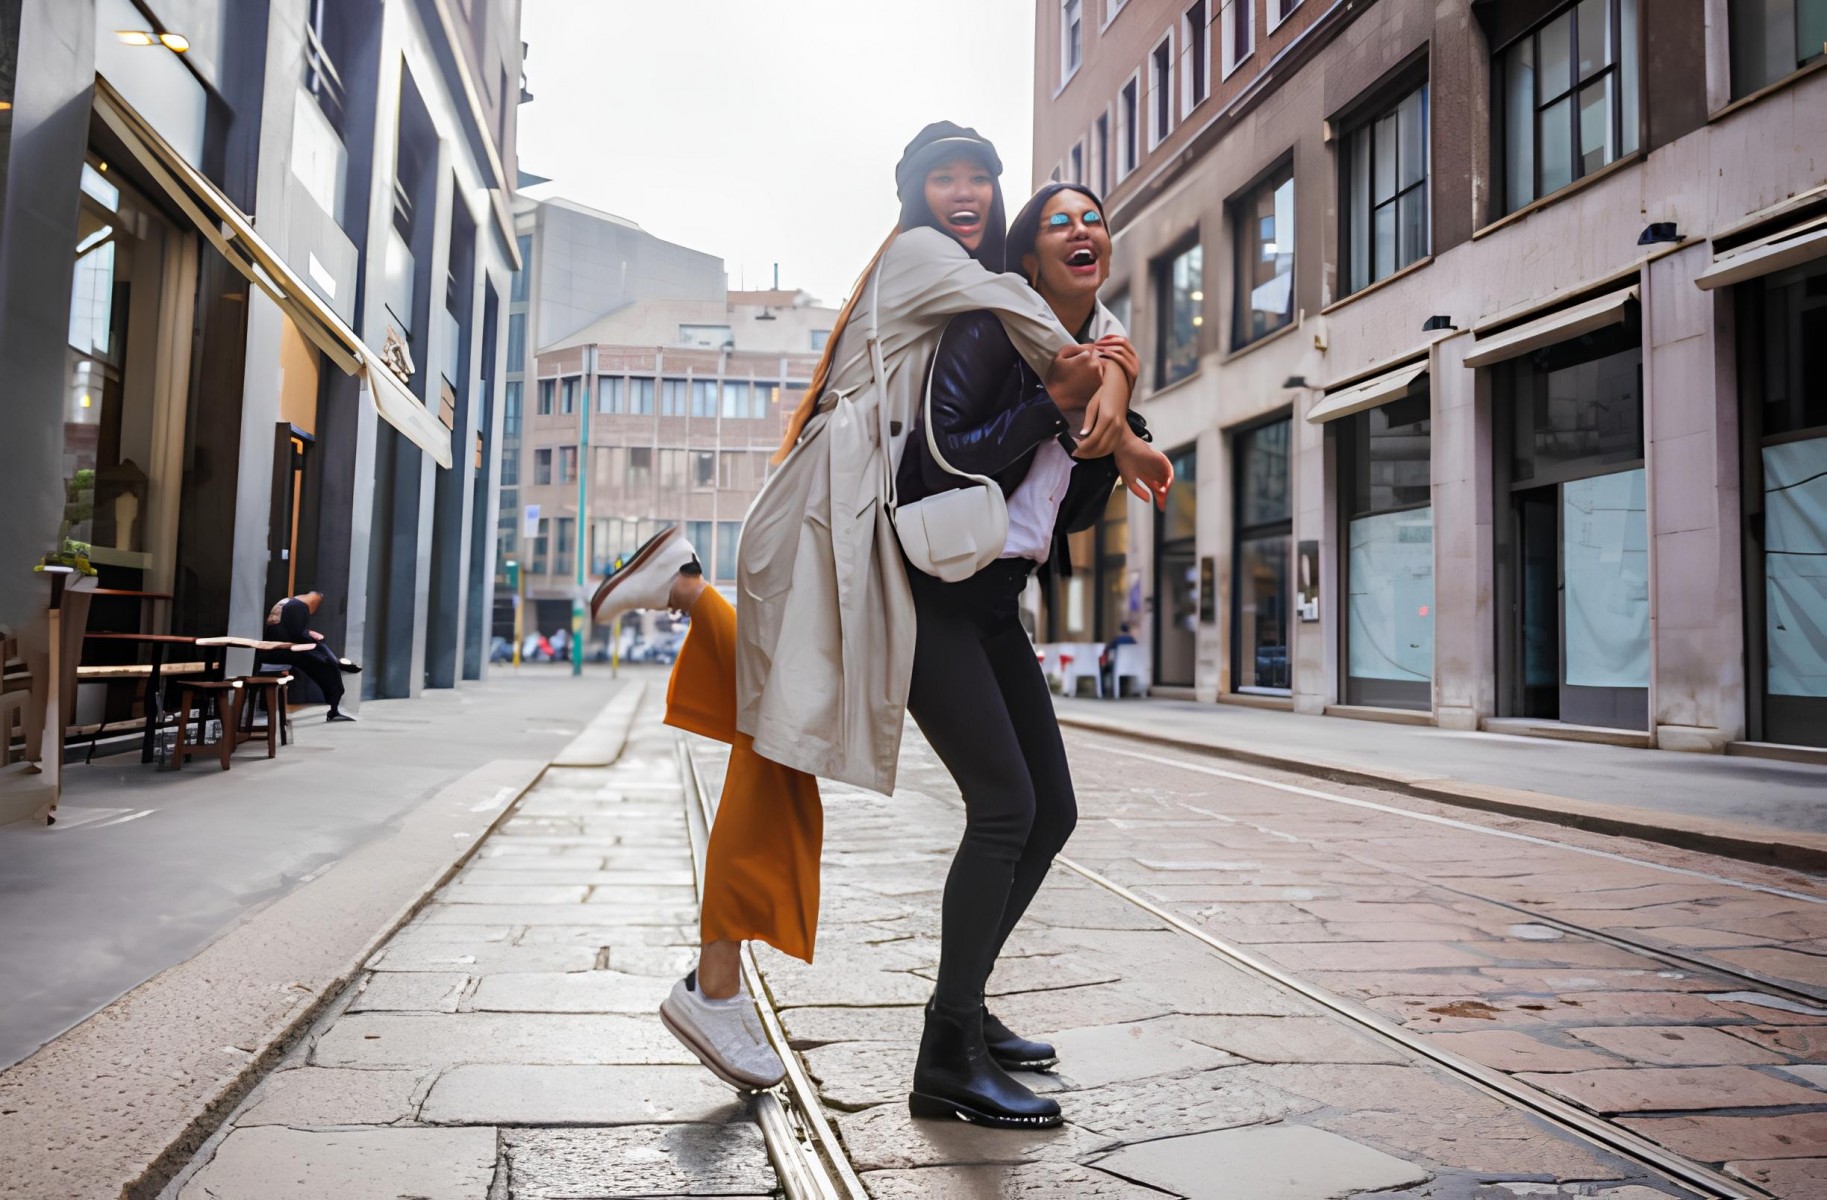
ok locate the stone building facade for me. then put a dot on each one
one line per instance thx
(1486, 338)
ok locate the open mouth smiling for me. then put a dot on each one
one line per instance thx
(1082, 259)
(964, 219)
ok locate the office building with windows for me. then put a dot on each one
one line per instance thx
(1485, 338)
(256, 261)
(685, 384)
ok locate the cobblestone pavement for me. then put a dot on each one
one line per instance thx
(1465, 936)
(1182, 1074)
(505, 1044)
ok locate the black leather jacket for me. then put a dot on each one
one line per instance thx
(991, 414)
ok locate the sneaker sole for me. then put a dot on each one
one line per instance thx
(920, 1104)
(711, 1062)
(642, 553)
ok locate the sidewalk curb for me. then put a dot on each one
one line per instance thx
(1729, 839)
(89, 1071)
(604, 738)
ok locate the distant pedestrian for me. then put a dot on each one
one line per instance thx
(290, 621)
(1107, 662)
(813, 680)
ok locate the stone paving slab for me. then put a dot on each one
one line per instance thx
(1030, 1182)
(601, 991)
(1277, 1162)
(637, 1160)
(271, 1163)
(514, 1021)
(1675, 1089)
(324, 1096)
(515, 1094)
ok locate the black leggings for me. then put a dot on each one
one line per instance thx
(979, 697)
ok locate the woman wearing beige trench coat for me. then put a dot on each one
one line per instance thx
(809, 677)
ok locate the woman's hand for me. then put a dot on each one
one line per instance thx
(1145, 470)
(1121, 351)
(1106, 420)
(1075, 377)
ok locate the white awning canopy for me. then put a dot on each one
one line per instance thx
(1367, 394)
(1558, 326)
(1790, 247)
(231, 231)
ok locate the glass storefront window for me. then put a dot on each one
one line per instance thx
(1177, 576)
(1782, 355)
(1605, 586)
(1573, 533)
(1260, 563)
(1389, 555)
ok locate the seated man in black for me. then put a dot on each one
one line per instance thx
(290, 621)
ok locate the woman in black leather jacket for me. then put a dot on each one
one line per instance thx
(977, 693)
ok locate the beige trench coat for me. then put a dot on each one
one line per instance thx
(825, 619)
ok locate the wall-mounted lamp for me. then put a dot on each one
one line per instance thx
(1658, 231)
(1294, 381)
(177, 43)
(1437, 322)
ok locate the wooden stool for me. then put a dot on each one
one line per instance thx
(209, 695)
(269, 690)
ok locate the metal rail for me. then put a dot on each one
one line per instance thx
(1596, 1130)
(807, 1157)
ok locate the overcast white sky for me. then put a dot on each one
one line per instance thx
(767, 131)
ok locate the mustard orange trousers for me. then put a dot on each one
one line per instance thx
(761, 868)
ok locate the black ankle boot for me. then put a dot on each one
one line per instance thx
(1013, 1052)
(956, 1078)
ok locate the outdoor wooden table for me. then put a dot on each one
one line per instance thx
(212, 650)
(157, 644)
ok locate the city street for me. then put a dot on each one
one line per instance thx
(503, 1043)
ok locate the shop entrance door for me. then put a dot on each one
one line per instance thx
(1572, 522)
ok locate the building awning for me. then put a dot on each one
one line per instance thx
(1790, 247)
(1558, 326)
(231, 231)
(1367, 394)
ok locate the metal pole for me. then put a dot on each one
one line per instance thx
(583, 512)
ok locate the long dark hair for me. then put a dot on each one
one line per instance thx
(915, 212)
(1024, 230)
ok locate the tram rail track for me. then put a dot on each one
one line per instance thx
(811, 1162)
(808, 1159)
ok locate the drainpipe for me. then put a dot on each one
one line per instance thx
(1645, 299)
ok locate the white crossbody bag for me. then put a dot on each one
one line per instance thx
(952, 534)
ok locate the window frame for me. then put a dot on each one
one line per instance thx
(1075, 159)
(1733, 92)
(1232, 56)
(1285, 9)
(548, 396)
(1198, 44)
(1251, 229)
(566, 470)
(1161, 92)
(567, 395)
(1068, 68)
(1611, 73)
(1100, 138)
(1161, 283)
(1112, 10)
(1363, 116)
(1129, 132)
(542, 466)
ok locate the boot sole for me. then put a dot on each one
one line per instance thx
(642, 553)
(711, 1062)
(921, 1105)
(1027, 1064)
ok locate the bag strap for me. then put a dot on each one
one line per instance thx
(880, 369)
(926, 419)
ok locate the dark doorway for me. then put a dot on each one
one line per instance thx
(1177, 576)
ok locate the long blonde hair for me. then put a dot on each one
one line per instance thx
(821, 374)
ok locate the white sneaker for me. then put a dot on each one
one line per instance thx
(645, 580)
(725, 1035)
